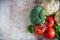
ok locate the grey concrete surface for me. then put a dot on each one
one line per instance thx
(14, 19)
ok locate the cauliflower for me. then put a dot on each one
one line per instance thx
(51, 6)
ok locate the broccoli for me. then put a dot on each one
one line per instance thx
(37, 15)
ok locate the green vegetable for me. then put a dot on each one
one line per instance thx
(57, 29)
(31, 28)
(37, 15)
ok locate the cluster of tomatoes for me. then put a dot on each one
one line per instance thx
(45, 29)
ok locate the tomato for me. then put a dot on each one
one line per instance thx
(50, 22)
(50, 33)
(39, 29)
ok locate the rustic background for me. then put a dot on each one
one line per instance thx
(14, 19)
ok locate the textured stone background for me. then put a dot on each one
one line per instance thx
(14, 19)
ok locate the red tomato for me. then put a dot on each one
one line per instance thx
(50, 22)
(39, 29)
(50, 33)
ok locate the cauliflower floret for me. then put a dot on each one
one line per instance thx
(51, 6)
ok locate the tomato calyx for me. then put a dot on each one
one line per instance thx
(40, 29)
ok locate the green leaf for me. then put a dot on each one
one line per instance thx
(57, 29)
(31, 28)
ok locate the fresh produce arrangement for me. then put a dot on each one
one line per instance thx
(45, 21)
